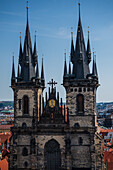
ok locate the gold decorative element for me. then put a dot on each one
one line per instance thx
(52, 103)
(27, 5)
(79, 3)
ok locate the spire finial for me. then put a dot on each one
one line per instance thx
(35, 33)
(71, 32)
(65, 54)
(20, 35)
(42, 72)
(88, 31)
(27, 10)
(42, 57)
(13, 55)
(27, 5)
(79, 8)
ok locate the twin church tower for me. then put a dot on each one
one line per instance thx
(49, 135)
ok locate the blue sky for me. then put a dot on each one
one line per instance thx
(53, 19)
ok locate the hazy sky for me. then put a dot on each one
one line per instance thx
(53, 19)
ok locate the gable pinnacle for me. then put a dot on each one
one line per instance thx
(42, 71)
(13, 73)
(88, 49)
(65, 65)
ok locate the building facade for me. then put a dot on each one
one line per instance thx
(51, 136)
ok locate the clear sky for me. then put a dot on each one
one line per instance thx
(53, 19)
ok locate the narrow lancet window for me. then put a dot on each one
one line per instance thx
(80, 104)
(25, 105)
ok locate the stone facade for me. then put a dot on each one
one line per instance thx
(53, 136)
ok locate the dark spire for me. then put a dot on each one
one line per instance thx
(42, 71)
(37, 71)
(69, 67)
(88, 50)
(13, 73)
(35, 52)
(72, 48)
(27, 61)
(18, 73)
(20, 52)
(94, 70)
(27, 33)
(65, 66)
(81, 64)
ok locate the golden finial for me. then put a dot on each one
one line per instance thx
(79, 3)
(27, 5)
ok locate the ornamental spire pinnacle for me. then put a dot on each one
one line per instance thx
(35, 52)
(20, 52)
(88, 49)
(13, 73)
(65, 65)
(72, 48)
(69, 65)
(94, 70)
(42, 71)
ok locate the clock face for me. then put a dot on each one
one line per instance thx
(52, 103)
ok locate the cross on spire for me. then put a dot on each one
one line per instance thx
(52, 83)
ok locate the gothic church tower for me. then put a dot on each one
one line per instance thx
(28, 103)
(81, 85)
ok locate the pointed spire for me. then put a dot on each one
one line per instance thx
(18, 73)
(79, 23)
(70, 67)
(37, 71)
(96, 67)
(13, 73)
(42, 71)
(65, 66)
(80, 61)
(94, 70)
(88, 49)
(20, 52)
(35, 52)
(27, 33)
(72, 48)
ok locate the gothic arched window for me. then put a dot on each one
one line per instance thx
(25, 105)
(24, 125)
(25, 151)
(80, 103)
